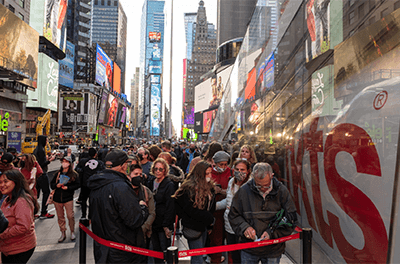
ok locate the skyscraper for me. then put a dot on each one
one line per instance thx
(20, 8)
(190, 20)
(109, 29)
(135, 98)
(151, 59)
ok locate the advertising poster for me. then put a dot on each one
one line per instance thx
(156, 54)
(104, 68)
(119, 116)
(128, 118)
(75, 112)
(188, 115)
(20, 45)
(103, 105)
(47, 91)
(111, 113)
(208, 118)
(117, 79)
(198, 122)
(92, 115)
(269, 74)
(250, 90)
(155, 79)
(155, 114)
(154, 37)
(14, 140)
(67, 66)
(155, 67)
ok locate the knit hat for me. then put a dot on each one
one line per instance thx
(115, 158)
(7, 158)
(221, 156)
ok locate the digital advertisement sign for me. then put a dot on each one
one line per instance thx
(155, 109)
(208, 119)
(155, 67)
(154, 37)
(19, 47)
(47, 91)
(111, 113)
(91, 127)
(117, 79)
(188, 111)
(103, 105)
(67, 66)
(75, 112)
(104, 68)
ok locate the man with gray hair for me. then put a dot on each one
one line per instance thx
(262, 209)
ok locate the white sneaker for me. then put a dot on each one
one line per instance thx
(73, 236)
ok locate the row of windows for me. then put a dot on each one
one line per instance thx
(12, 9)
(361, 12)
(102, 2)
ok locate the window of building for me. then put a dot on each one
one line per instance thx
(109, 3)
(11, 8)
(21, 16)
(397, 5)
(371, 20)
(361, 11)
(96, 2)
(352, 17)
(385, 12)
(21, 3)
(115, 3)
(102, 2)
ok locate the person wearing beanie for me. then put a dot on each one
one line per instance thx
(220, 174)
(115, 210)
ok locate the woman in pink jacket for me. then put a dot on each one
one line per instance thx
(18, 241)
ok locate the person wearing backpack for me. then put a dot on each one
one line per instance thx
(86, 168)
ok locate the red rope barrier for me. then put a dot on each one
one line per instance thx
(190, 252)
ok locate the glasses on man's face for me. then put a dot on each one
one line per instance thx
(158, 169)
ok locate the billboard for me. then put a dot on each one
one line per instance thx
(104, 68)
(103, 105)
(111, 113)
(156, 54)
(154, 37)
(14, 140)
(155, 79)
(155, 109)
(208, 94)
(208, 119)
(155, 67)
(198, 122)
(117, 78)
(19, 47)
(188, 113)
(92, 114)
(75, 111)
(121, 116)
(47, 91)
(250, 90)
(48, 17)
(67, 66)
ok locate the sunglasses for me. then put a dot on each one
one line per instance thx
(159, 169)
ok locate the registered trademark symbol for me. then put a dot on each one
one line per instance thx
(380, 100)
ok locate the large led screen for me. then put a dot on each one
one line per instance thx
(155, 67)
(104, 68)
(155, 114)
(111, 113)
(117, 78)
(19, 46)
(188, 111)
(103, 105)
(67, 66)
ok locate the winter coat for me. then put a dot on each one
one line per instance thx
(250, 209)
(88, 167)
(40, 153)
(116, 216)
(61, 195)
(165, 207)
(6, 166)
(195, 218)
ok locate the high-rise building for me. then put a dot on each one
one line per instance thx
(135, 98)
(109, 30)
(21, 8)
(190, 20)
(203, 52)
(79, 22)
(233, 18)
(151, 59)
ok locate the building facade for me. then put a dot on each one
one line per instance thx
(21, 8)
(109, 30)
(135, 99)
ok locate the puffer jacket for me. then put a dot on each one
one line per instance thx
(61, 195)
(116, 216)
(176, 175)
(250, 209)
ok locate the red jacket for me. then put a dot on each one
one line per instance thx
(20, 235)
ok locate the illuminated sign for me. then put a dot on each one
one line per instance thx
(104, 68)
(67, 66)
(154, 37)
(4, 122)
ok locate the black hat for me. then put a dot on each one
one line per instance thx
(7, 158)
(12, 150)
(115, 158)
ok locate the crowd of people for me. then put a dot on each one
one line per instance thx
(212, 194)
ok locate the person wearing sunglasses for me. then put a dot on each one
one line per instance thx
(163, 188)
(254, 207)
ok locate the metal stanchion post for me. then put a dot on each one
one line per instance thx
(82, 241)
(306, 236)
(171, 255)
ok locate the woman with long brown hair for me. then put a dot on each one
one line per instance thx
(18, 241)
(212, 149)
(175, 174)
(31, 170)
(65, 182)
(247, 152)
(195, 204)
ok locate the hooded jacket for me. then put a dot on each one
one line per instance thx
(176, 175)
(250, 209)
(40, 153)
(116, 216)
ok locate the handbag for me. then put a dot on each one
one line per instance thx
(191, 234)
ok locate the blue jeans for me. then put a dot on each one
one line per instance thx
(197, 243)
(160, 243)
(250, 259)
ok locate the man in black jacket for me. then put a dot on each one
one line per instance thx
(115, 210)
(86, 168)
(42, 182)
(254, 211)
